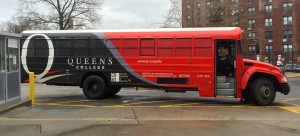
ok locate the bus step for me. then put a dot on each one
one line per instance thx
(221, 79)
(223, 85)
(225, 92)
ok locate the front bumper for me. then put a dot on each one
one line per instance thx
(285, 89)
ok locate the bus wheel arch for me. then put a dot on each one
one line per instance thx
(259, 82)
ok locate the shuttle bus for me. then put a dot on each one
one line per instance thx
(207, 60)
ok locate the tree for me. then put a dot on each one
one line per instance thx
(19, 24)
(173, 19)
(60, 14)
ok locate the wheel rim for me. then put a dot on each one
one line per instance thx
(94, 88)
(265, 92)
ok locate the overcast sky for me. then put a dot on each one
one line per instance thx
(116, 13)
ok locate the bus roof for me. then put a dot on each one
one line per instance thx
(205, 31)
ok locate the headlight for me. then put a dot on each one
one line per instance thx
(284, 79)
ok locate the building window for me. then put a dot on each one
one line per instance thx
(198, 6)
(251, 24)
(234, 1)
(198, 17)
(208, 4)
(269, 9)
(269, 1)
(269, 35)
(251, 35)
(188, 17)
(269, 48)
(268, 22)
(287, 7)
(287, 34)
(251, 49)
(287, 48)
(287, 20)
(251, 11)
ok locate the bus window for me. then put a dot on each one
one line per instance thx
(31, 48)
(165, 47)
(117, 45)
(130, 47)
(203, 47)
(42, 48)
(147, 47)
(184, 47)
(81, 47)
(63, 47)
(97, 49)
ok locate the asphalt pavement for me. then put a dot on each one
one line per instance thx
(65, 111)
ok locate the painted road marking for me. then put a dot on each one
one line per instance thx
(174, 105)
(64, 105)
(294, 109)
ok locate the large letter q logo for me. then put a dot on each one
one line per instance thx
(50, 57)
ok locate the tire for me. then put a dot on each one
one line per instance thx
(114, 90)
(94, 87)
(263, 92)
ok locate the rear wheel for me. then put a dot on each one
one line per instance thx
(94, 87)
(263, 92)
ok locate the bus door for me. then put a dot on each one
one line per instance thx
(225, 68)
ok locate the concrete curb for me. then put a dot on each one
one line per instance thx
(12, 105)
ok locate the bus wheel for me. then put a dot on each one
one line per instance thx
(94, 87)
(114, 90)
(263, 92)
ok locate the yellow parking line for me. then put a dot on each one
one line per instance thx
(136, 103)
(294, 109)
(76, 101)
(178, 105)
(58, 104)
(292, 99)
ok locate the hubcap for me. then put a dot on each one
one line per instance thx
(265, 92)
(94, 88)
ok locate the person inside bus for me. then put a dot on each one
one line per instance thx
(229, 62)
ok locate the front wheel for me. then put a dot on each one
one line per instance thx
(263, 92)
(94, 87)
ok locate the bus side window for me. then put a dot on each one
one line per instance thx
(30, 49)
(97, 48)
(165, 47)
(130, 47)
(63, 47)
(203, 47)
(184, 47)
(81, 47)
(41, 46)
(147, 47)
(116, 45)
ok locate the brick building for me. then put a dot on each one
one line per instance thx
(274, 24)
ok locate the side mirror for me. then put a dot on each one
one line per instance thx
(257, 49)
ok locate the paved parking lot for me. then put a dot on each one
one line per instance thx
(65, 111)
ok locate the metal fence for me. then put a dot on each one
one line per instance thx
(287, 61)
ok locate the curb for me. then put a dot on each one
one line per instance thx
(13, 105)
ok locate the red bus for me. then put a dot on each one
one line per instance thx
(207, 60)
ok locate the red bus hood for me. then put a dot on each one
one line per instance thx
(261, 64)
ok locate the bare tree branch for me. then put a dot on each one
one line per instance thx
(174, 15)
(84, 13)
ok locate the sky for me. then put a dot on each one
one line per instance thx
(117, 14)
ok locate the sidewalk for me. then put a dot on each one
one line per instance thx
(292, 75)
